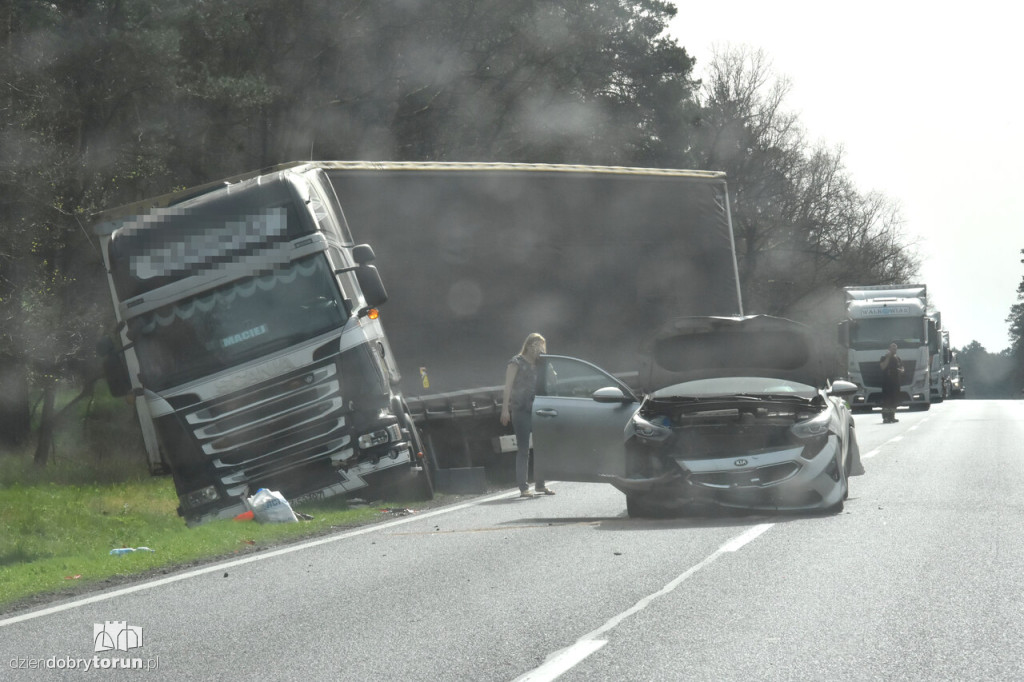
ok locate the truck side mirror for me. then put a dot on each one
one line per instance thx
(843, 334)
(363, 254)
(371, 284)
(115, 369)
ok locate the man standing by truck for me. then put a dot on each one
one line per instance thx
(892, 371)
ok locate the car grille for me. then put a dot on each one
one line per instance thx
(872, 373)
(748, 478)
(276, 427)
(725, 440)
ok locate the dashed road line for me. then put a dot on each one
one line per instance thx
(561, 661)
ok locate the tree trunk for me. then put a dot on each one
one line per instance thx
(46, 425)
(15, 412)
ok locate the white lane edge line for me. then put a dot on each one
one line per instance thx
(563, 661)
(247, 560)
(569, 653)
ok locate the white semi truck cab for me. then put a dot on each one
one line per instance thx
(249, 339)
(876, 316)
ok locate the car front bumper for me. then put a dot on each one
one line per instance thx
(779, 480)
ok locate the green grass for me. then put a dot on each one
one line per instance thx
(59, 535)
(59, 523)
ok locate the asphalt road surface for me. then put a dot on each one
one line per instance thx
(920, 578)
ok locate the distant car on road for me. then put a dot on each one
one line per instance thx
(737, 412)
(957, 389)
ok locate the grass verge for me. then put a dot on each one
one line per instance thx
(58, 536)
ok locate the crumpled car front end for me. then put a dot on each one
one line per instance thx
(754, 451)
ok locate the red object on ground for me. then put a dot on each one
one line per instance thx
(244, 516)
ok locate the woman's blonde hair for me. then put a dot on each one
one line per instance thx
(532, 339)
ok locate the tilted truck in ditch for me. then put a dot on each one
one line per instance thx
(875, 317)
(258, 294)
(249, 338)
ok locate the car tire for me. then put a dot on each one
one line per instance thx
(836, 508)
(844, 480)
(638, 508)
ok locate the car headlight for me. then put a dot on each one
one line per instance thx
(814, 427)
(651, 431)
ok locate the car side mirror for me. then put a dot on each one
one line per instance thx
(842, 389)
(611, 394)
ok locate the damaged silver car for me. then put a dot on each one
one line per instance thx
(737, 412)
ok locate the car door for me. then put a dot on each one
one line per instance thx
(575, 437)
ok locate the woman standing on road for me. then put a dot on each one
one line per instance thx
(517, 407)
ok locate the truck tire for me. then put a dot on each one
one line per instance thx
(422, 486)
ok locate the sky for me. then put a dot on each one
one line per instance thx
(925, 101)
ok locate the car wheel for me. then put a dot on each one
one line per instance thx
(836, 508)
(844, 481)
(638, 508)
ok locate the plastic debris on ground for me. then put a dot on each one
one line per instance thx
(398, 512)
(269, 506)
(129, 550)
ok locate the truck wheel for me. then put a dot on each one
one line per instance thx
(422, 488)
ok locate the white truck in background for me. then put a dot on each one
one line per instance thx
(946, 360)
(876, 316)
(940, 361)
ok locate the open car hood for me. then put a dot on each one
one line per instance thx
(691, 348)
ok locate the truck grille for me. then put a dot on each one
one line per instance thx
(872, 373)
(275, 427)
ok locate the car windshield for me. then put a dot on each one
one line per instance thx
(236, 323)
(730, 386)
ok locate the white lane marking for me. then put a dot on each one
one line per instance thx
(248, 560)
(894, 439)
(561, 661)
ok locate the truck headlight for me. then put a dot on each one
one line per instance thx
(200, 497)
(380, 436)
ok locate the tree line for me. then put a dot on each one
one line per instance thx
(998, 374)
(109, 101)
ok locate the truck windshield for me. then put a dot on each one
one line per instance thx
(238, 322)
(878, 333)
